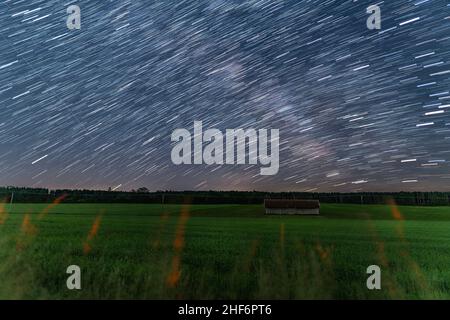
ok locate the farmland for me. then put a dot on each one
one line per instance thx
(153, 251)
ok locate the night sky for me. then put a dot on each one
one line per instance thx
(357, 109)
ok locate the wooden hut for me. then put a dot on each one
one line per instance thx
(292, 207)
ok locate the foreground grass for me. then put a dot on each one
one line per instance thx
(223, 251)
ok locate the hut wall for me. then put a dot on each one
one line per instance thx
(292, 211)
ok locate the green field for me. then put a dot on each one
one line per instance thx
(223, 252)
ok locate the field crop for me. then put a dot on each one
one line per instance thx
(222, 252)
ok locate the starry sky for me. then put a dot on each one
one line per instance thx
(357, 109)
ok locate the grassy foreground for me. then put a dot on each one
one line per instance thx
(222, 251)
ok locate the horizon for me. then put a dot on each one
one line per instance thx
(216, 190)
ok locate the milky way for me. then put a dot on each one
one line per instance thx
(357, 109)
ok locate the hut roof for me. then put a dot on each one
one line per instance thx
(291, 204)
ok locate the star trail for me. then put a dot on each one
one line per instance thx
(357, 109)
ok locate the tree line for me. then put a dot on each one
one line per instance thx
(143, 195)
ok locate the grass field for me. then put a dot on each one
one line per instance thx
(223, 251)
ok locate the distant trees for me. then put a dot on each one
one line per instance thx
(144, 195)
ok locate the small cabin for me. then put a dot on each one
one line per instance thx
(292, 207)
